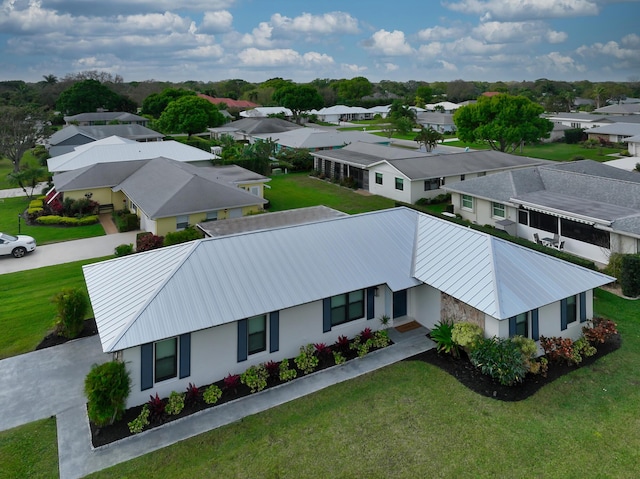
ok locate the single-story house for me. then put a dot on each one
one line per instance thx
(316, 139)
(614, 132)
(338, 113)
(167, 195)
(619, 109)
(104, 118)
(579, 120)
(229, 102)
(441, 122)
(65, 140)
(593, 208)
(265, 111)
(445, 106)
(246, 128)
(198, 311)
(115, 149)
(633, 145)
(408, 175)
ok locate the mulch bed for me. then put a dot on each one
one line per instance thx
(52, 339)
(471, 377)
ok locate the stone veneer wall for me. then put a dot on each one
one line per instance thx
(451, 308)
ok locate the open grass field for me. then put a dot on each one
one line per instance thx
(298, 190)
(30, 451)
(10, 208)
(26, 311)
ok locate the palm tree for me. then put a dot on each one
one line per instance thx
(429, 138)
(598, 94)
(50, 79)
(27, 178)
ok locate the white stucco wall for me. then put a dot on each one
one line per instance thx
(424, 305)
(388, 186)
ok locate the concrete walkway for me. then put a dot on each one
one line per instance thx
(15, 192)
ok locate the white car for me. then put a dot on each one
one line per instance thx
(17, 246)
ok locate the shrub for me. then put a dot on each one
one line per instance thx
(600, 331)
(126, 221)
(574, 136)
(614, 267)
(123, 250)
(527, 346)
(540, 366)
(576, 158)
(361, 347)
(441, 335)
(38, 203)
(380, 339)
(366, 334)
(466, 335)
(71, 305)
(212, 394)
(67, 221)
(342, 344)
(285, 373)
(156, 407)
(630, 275)
(322, 350)
(177, 237)
(558, 349)
(138, 424)
(338, 358)
(255, 377)
(501, 359)
(272, 368)
(175, 404)
(107, 387)
(232, 381)
(192, 395)
(582, 349)
(147, 241)
(306, 361)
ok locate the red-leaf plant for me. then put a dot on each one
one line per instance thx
(232, 381)
(322, 350)
(342, 344)
(192, 395)
(272, 368)
(366, 334)
(156, 408)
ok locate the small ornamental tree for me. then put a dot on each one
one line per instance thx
(107, 387)
(72, 305)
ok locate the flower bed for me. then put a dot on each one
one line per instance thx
(312, 357)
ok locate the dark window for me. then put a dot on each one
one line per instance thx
(399, 184)
(378, 178)
(347, 307)
(461, 177)
(584, 232)
(166, 359)
(571, 309)
(432, 184)
(257, 333)
(543, 222)
(523, 217)
(522, 325)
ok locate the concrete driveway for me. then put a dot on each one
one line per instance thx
(66, 252)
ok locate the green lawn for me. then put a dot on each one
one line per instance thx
(26, 311)
(551, 151)
(6, 167)
(413, 420)
(30, 451)
(298, 190)
(10, 208)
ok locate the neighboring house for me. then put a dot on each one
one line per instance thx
(614, 132)
(246, 128)
(105, 118)
(229, 102)
(265, 221)
(579, 120)
(265, 111)
(338, 113)
(441, 122)
(316, 139)
(633, 145)
(408, 175)
(166, 195)
(65, 140)
(620, 109)
(594, 208)
(445, 106)
(115, 148)
(198, 311)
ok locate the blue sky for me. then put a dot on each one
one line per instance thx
(211, 40)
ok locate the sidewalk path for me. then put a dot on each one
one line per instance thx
(15, 192)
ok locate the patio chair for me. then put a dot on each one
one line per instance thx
(556, 238)
(537, 238)
(561, 245)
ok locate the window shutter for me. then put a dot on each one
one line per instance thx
(512, 326)
(146, 365)
(274, 331)
(535, 328)
(185, 355)
(326, 315)
(242, 340)
(563, 314)
(583, 307)
(371, 296)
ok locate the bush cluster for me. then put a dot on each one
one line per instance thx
(125, 220)
(107, 387)
(66, 220)
(436, 200)
(72, 306)
(146, 241)
(177, 237)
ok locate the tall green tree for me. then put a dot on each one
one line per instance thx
(354, 89)
(189, 114)
(90, 95)
(156, 103)
(28, 177)
(298, 98)
(428, 137)
(20, 127)
(503, 121)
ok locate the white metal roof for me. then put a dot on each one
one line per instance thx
(119, 149)
(170, 291)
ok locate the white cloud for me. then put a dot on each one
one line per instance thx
(526, 9)
(439, 33)
(152, 22)
(328, 23)
(387, 43)
(260, 36)
(517, 32)
(555, 62)
(24, 17)
(613, 49)
(450, 67)
(216, 22)
(353, 68)
(254, 57)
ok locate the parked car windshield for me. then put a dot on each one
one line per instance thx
(7, 237)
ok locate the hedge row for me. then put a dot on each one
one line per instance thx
(67, 221)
